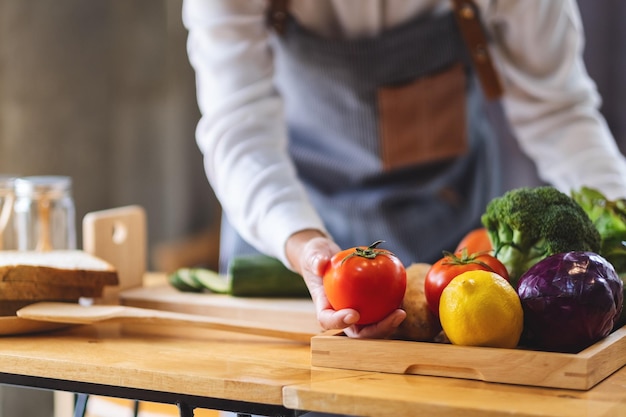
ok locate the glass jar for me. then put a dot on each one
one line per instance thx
(45, 217)
(7, 200)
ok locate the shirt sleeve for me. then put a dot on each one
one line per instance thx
(242, 133)
(550, 100)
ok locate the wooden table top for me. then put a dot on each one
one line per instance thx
(266, 371)
(381, 394)
(209, 364)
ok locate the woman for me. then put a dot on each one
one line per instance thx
(357, 120)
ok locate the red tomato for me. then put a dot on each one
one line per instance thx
(451, 265)
(475, 241)
(371, 281)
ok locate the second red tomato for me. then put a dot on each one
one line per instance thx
(451, 265)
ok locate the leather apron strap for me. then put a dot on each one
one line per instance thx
(277, 15)
(472, 31)
(468, 20)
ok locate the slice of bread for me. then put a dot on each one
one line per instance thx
(72, 268)
(10, 307)
(60, 275)
(22, 290)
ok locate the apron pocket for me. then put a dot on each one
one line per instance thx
(424, 121)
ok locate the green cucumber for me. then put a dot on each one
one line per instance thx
(248, 276)
(211, 280)
(183, 281)
(264, 276)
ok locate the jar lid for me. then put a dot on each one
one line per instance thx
(43, 184)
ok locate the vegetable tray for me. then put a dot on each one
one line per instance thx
(579, 371)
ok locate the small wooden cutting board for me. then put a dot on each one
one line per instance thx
(279, 312)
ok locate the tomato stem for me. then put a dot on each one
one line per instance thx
(370, 252)
(466, 258)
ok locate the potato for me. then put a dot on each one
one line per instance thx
(420, 324)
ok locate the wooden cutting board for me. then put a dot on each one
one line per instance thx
(119, 236)
(157, 294)
(13, 326)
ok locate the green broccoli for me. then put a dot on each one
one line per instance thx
(526, 225)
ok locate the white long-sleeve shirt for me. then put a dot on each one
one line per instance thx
(551, 102)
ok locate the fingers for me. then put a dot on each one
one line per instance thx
(382, 329)
(337, 319)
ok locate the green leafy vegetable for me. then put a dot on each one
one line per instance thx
(609, 218)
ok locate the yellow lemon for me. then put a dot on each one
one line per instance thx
(480, 308)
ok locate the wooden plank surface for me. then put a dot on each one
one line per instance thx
(514, 366)
(393, 395)
(174, 359)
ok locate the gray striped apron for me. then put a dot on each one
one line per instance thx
(358, 114)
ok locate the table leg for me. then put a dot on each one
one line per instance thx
(80, 405)
(185, 410)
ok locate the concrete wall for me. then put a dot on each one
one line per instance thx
(102, 91)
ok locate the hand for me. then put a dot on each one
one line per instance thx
(309, 253)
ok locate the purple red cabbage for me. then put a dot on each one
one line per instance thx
(571, 300)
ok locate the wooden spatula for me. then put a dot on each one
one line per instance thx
(59, 312)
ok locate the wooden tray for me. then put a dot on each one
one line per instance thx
(580, 371)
